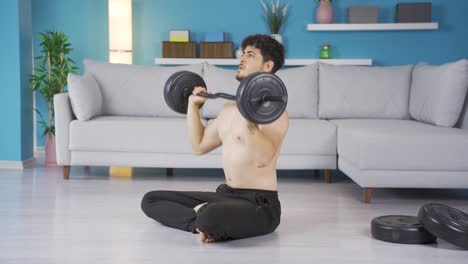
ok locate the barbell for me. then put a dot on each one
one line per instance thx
(261, 97)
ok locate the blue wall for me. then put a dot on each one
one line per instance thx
(16, 139)
(10, 139)
(85, 21)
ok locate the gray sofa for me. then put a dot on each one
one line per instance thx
(381, 126)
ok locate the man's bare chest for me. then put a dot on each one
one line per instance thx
(231, 127)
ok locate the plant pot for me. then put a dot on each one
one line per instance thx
(277, 37)
(324, 14)
(50, 152)
(239, 53)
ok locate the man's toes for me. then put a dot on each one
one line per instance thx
(202, 237)
(210, 239)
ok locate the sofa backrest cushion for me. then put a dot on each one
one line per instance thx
(301, 83)
(85, 96)
(438, 92)
(302, 86)
(217, 80)
(134, 90)
(364, 92)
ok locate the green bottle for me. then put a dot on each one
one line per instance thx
(325, 52)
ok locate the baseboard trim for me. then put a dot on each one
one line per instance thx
(18, 165)
(29, 163)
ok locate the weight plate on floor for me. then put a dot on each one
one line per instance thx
(178, 89)
(252, 89)
(446, 223)
(401, 229)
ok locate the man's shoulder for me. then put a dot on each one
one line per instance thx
(228, 107)
(230, 104)
(280, 125)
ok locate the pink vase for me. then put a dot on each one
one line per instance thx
(324, 13)
(50, 157)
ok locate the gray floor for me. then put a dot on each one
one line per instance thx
(93, 218)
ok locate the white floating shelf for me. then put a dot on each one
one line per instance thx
(376, 26)
(235, 62)
(298, 62)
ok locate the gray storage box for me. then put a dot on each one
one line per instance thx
(413, 12)
(363, 14)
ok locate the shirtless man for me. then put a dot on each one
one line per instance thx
(247, 204)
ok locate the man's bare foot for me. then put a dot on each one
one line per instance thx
(204, 238)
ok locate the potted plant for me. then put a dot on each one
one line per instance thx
(50, 78)
(324, 12)
(275, 17)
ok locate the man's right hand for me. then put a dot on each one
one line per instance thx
(197, 100)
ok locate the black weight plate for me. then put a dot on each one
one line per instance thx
(446, 223)
(258, 85)
(400, 229)
(178, 89)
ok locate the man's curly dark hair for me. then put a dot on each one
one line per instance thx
(270, 48)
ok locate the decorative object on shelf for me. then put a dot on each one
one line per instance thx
(215, 37)
(216, 49)
(50, 78)
(179, 49)
(239, 52)
(413, 12)
(324, 12)
(179, 36)
(325, 52)
(363, 14)
(278, 37)
(275, 18)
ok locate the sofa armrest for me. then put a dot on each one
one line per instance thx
(463, 121)
(63, 117)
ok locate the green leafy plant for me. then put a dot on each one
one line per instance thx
(50, 74)
(275, 15)
(48, 130)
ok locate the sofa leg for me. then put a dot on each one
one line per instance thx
(66, 172)
(169, 171)
(87, 170)
(367, 193)
(316, 173)
(328, 176)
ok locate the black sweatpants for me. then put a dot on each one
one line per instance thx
(230, 213)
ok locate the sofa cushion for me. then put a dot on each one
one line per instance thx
(134, 90)
(301, 82)
(402, 145)
(364, 92)
(85, 96)
(302, 86)
(308, 137)
(130, 134)
(217, 80)
(438, 92)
